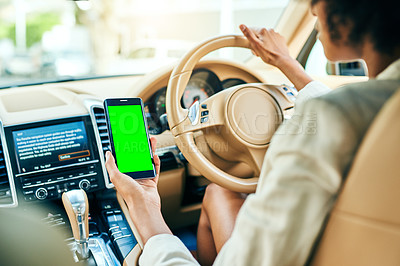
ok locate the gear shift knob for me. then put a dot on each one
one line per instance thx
(77, 207)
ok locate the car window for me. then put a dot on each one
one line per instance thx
(316, 62)
(318, 65)
(45, 39)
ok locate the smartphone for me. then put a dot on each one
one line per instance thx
(129, 138)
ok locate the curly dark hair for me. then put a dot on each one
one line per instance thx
(377, 20)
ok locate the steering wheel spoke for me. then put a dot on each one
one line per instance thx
(200, 116)
(254, 158)
(187, 145)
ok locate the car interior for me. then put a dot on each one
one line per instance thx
(53, 138)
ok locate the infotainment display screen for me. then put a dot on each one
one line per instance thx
(51, 146)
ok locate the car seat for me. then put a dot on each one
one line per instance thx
(364, 225)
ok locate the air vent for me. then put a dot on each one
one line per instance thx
(102, 127)
(5, 190)
(98, 118)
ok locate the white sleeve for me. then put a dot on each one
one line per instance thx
(301, 174)
(312, 90)
(166, 250)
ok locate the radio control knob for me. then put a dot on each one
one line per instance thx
(41, 193)
(84, 184)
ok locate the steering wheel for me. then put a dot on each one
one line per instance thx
(237, 123)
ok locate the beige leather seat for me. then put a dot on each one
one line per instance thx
(364, 226)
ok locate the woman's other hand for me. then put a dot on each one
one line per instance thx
(267, 44)
(141, 196)
(271, 47)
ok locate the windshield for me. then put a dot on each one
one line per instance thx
(54, 39)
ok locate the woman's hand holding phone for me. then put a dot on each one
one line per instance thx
(141, 196)
(129, 138)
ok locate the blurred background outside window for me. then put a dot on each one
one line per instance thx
(50, 39)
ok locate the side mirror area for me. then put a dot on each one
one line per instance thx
(353, 68)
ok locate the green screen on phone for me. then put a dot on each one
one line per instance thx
(131, 145)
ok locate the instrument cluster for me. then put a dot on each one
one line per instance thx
(202, 84)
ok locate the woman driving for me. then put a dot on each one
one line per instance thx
(308, 157)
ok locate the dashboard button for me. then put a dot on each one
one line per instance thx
(122, 238)
(41, 193)
(125, 231)
(118, 217)
(28, 192)
(116, 235)
(111, 219)
(112, 224)
(84, 184)
(113, 229)
(204, 119)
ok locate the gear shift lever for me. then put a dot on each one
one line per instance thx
(77, 208)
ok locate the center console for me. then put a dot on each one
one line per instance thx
(50, 157)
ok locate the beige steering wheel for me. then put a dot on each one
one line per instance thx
(238, 122)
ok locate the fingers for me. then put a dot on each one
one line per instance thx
(249, 34)
(112, 169)
(153, 142)
(254, 36)
(110, 165)
(269, 45)
(115, 175)
(259, 36)
(156, 159)
(157, 163)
